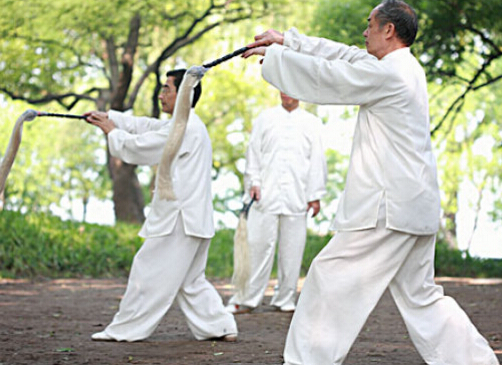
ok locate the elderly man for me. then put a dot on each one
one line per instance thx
(388, 216)
(171, 263)
(286, 175)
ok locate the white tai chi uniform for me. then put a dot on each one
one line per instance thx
(388, 215)
(285, 158)
(172, 261)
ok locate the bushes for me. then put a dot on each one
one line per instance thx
(220, 261)
(447, 262)
(221, 254)
(460, 264)
(42, 245)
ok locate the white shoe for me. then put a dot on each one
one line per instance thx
(288, 308)
(101, 336)
(238, 309)
(232, 337)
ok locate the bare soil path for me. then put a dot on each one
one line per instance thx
(49, 322)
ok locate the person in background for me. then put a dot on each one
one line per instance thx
(286, 175)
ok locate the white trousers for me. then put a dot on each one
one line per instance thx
(163, 269)
(346, 281)
(263, 231)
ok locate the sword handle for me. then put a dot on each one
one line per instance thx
(71, 116)
(225, 58)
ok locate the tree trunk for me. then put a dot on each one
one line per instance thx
(128, 200)
(450, 231)
(128, 197)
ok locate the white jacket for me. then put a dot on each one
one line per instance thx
(141, 141)
(286, 160)
(391, 155)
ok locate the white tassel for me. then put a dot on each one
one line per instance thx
(240, 275)
(13, 146)
(181, 113)
(242, 267)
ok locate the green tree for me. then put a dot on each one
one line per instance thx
(105, 53)
(49, 166)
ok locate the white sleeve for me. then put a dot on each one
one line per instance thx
(137, 149)
(322, 47)
(321, 81)
(133, 124)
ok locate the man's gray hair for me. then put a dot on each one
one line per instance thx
(403, 17)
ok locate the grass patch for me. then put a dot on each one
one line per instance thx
(41, 245)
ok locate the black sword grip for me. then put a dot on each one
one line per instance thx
(246, 208)
(72, 116)
(225, 58)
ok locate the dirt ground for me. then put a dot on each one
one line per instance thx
(50, 322)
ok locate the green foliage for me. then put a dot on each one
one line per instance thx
(460, 264)
(81, 62)
(338, 165)
(469, 153)
(40, 245)
(220, 261)
(57, 158)
(34, 245)
(454, 31)
(315, 243)
(343, 21)
(229, 125)
(450, 34)
(70, 46)
(448, 262)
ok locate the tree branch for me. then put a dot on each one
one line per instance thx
(470, 87)
(171, 49)
(51, 97)
(113, 63)
(127, 63)
(495, 48)
(65, 47)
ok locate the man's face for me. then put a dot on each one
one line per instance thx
(288, 102)
(375, 35)
(167, 96)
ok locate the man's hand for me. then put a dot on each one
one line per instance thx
(315, 206)
(255, 193)
(100, 119)
(267, 38)
(258, 47)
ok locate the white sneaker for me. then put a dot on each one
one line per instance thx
(231, 337)
(288, 308)
(101, 336)
(238, 309)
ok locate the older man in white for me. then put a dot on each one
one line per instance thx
(389, 214)
(171, 262)
(286, 174)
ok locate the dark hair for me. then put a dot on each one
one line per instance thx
(402, 16)
(178, 77)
